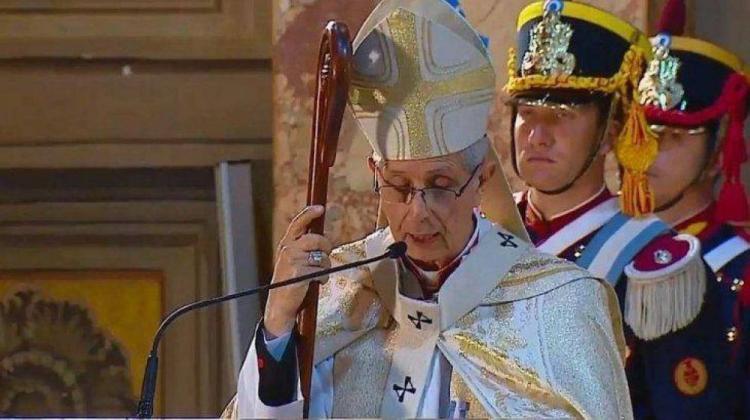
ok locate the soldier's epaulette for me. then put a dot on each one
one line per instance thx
(666, 286)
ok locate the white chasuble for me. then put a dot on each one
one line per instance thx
(513, 333)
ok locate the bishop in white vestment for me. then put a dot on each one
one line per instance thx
(473, 321)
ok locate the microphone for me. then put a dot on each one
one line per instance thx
(396, 250)
(148, 388)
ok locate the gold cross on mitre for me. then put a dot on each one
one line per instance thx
(423, 82)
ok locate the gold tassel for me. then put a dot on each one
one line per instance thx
(665, 301)
(636, 150)
(636, 197)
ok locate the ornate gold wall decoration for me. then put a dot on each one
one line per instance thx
(73, 344)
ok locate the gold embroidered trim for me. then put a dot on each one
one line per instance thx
(505, 371)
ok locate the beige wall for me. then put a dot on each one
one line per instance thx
(114, 114)
(724, 24)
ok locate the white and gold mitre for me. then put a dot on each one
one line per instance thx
(422, 82)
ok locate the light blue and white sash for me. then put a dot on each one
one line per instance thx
(616, 244)
(586, 224)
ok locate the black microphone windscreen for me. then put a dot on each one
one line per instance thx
(397, 249)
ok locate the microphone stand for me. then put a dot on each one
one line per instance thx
(148, 389)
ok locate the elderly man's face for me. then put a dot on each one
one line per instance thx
(435, 230)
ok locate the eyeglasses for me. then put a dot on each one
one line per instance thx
(432, 196)
(665, 129)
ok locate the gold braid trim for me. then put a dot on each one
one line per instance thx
(636, 146)
(618, 83)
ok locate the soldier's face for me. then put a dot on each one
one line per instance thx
(553, 143)
(435, 227)
(681, 159)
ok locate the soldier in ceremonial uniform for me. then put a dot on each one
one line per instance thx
(573, 87)
(695, 95)
(473, 321)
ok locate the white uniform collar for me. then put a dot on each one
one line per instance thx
(585, 203)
